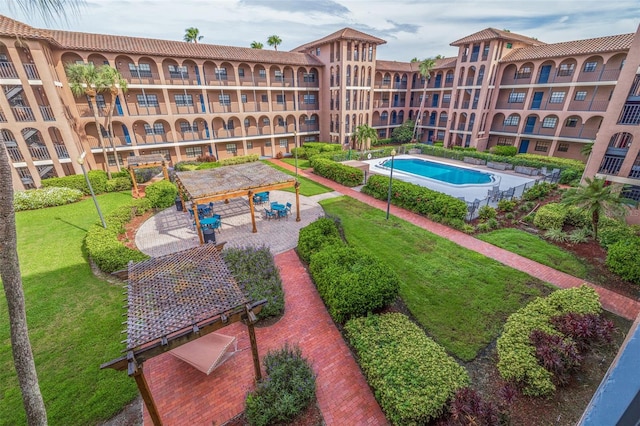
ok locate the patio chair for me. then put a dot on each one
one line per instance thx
(257, 199)
(208, 352)
(288, 208)
(268, 214)
(283, 213)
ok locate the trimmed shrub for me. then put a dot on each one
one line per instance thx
(207, 166)
(411, 375)
(185, 166)
(98, 179)
(289, 388)
(313, 237)
(352, 282)
(486, 213)
(337, 172)
(550, 216)
(505, 205)
(415, 198)
(33, 199)
(239, 160)
(517, 355)
(622, 259)
(256, 273)
(162, 194)
(506, 151)
(323, 146)
(577, 217)
(121, 183)
(610, 231)
(538, 191)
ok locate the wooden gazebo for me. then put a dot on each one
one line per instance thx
(176, 299)
(145, 162)
(223, 183)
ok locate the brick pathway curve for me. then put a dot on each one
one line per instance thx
(611, 301)
(186, 396)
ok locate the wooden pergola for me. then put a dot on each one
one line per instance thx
(145, 162)
(176, 299)
(223, 183)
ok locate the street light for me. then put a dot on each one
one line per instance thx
(295, 150)
(93, 195)
(393, 154)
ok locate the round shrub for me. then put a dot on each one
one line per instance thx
(577, 217)
(162, 194)
(622, 259)
(98, 179)
(316, 235)
(611, 231)
(550, 216)
(351, 282)
(486, 213)
(46, 197)
(118, 184)
(505, 205)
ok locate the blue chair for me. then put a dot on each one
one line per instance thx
(282, 213)
(269, 214)
(288, 208)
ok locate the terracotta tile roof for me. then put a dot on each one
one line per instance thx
(345, 33)
(491, 34)
(149, 46)
(446, 63)
(570, 48)
(13, 28)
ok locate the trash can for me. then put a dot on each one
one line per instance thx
(179, 204)
(209, 235)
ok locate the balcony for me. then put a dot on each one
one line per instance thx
(47, 113)
(136, 109)
(39, 153)
(32, 72)
(611, 165)
(400, 85)
(7, 70)
(15, 154)
(516, 79)
(61, 151)
(603, 75)
(598, 105)
(582, 132)
(23, 113)
(635, 171)
(141, 77)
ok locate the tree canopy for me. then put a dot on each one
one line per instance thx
(256, 45)
(403, 133)
(274, 41)
(192, 35)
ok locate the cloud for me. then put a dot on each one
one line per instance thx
(327, 7)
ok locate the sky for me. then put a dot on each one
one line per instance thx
(412, 28)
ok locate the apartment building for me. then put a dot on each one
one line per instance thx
(188, 100)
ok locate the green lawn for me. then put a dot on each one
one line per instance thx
(535, 248)
(308, 187)
(461, 297)
(302, 164)
(74, 320)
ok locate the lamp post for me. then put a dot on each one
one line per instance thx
(393, 154)
(295, 145)
(93, 195)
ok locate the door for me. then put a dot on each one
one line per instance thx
(396, 100)
(438, 80)
(202, 105)
(430, 137)
(524, 146)
(206, 129)
(531, 122)
(537, 100)
(125, 132)
(118, 106)
(544, 74)
(197, 75)
(435, 99)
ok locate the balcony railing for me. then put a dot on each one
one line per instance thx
(61, 151)
(142, 77)
(598, 105)
(3, 118)
(15, 154)
(47, 113)
(602, 75)
(23, 113)
(7, 70)
(611, 165)
(635, 172)
(32, 72)
(39, 153)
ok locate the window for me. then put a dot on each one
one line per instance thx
(566, 70)
(100, 103)
(505, 141)
(148, 100)
(580, 96)
(516, 97)
(265, 121)
(142, 70)
(158, 128)
(241, 72)
(590, 66)
(549, 122)
(524, 72)
(309, 99)
(309, 77)
(386, 80)
(448, 79)
(370, 53)
(384, 115)
(556, 97)
(193, 151)
(262, 73)
(280, 99)
(317, 51)
(284, 143)
(267, 143)
(571, 122)
(186, 127)
(563, 147)
(280, 122)
(309, 138)
(231, 148)
(542, 146)
(183, 100)
(249, 145)
(221, 73)
(509, 45)
(512, 120)
(224, 99)
(176, 71)
(148, 129)
(164, 152)
(112, 159)
(243, 98)
(278, 75)
(309, 121)
(446, 98)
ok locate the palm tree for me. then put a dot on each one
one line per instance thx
(274, 41)
(256, 45)
(425, 68)
(111, 79)
(597, 199)
(415, 59)
(587, 149)
(364, 136)
(192, 35)
(85, 79)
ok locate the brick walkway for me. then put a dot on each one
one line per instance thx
(611, 301)
(186, 396)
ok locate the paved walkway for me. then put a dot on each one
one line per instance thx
(611, 301)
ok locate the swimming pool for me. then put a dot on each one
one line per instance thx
(441, 172)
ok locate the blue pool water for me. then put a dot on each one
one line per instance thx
(442, 172)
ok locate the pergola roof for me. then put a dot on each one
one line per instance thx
(141, 160)
(171, 293)
(232, 180)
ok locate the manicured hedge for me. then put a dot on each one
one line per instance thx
(337, 172)
(517, 358)
(239, 160)
(506, 151)
(161, 194)
(622, 259)
(33, 199)
(352, 282)
(103, 246)
(610, 231)
(117, 184)
(323, 146)
(412, 376)
(98, 179)
(550, 216)
(256, 273)
(435, 205)
(316, 235)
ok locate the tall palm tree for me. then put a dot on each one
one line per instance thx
(364, 136)
(425, 68)
(192, 35)
(274, 41)
(256, 45)
(597, 199)
(587, 149)
(112, 80)
(85, 79)
(415, 59)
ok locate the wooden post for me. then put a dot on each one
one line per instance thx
(253, 213)
(254, 344)
(196, 218)
(165, 172)
(133, 180)
(297, 201)
(143, 387)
